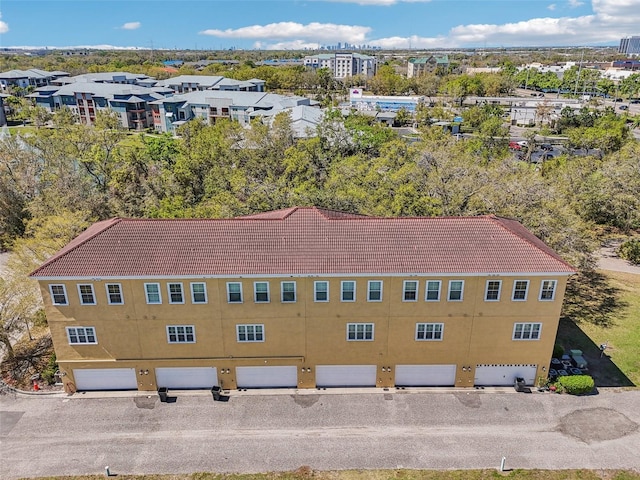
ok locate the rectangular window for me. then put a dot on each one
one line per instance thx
(181, 334)
(360, 332)
(348, 291)
(288, 290)
(261, 292)
(175, 293)
(81, 335)
(321, 291)
(527, 331)
(520, 289)
(85, 291)
(433, 291)
(152, 291)
(429, 331)
(114, 293)
(548, 290)
(410, 290)
(58, 294)
(456, 288)
(234, 292)
(492, 293)
(250, 333)
(198, 292)
(374, 291)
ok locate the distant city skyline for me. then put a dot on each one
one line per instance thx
(309, 24)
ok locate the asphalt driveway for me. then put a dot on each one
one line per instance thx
(43, 436)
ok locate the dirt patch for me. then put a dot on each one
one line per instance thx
(468, 399)
(148, 402)
(306, 401)
(596, 425)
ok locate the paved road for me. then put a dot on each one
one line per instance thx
(454, 429)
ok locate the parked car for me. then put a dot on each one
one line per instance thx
(635, 101)
(546, 156)
(623, 107)
(546, 146)
(523, 143)
(515, 146)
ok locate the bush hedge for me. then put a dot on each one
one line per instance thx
(576, 384)
(630, 250)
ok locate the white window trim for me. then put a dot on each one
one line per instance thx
(229, 293)
(181, 292)
(555, 287)
(250, 325)
(404, 290)
(93, 293)
(106, 288)
(513, 335)
(526, 292)
(82, 343)
(146, 294)
(295, 291)
(193, 329)
(426, 290)
(342, 290)
(369, 290)
(64, 290)
(430, 339)
(486, 291)
(206, 297)
(373, 332)
(315, 291)
(255, 293)
(461, 291)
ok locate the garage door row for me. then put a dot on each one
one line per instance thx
(327, 376)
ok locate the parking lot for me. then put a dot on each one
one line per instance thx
(259, 431)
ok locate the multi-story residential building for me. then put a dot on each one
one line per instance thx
(213, 105)
(28, 78)
(630, 45)
(303, 298)
(195, 83)
(120, 78)
(420, 66)
(383, 103)
(343, 64)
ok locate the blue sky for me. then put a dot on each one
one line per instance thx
(294, 24)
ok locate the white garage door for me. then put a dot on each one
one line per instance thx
(425, 375)
(346, 375)
(105, 379)
(499, 375)
(186, 377)
(266, 377)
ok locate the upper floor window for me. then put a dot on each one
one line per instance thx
(261, 292)
(429, 331)
(492, 293)
(175, 293)
(198, 292)
(81, 335)
(527, 331)
(433, 291)
(152, 291)
(85, 291)
(548, 290)
(374, 293)
(520, 289)
(288, 291)
(348, 291)
(181, 334)
(456, 289)
(250, 333)
(321, 291)
(410, 290)
(58, 295)
(114, 294)
(360, 331)
(234, 292)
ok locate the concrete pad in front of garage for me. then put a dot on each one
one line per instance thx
(256, 431)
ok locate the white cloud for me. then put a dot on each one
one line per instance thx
(575, 3)
(314, 32)
(131, 26)
(293, 45)
(4, 26)
(552, 7)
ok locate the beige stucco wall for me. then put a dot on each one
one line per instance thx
(304, 333)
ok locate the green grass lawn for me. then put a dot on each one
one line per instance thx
(620, 366)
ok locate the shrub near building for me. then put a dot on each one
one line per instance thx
(576, 384)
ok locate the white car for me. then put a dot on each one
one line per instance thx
(523, 143)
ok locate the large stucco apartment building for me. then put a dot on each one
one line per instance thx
(343, 64)
(303, 298)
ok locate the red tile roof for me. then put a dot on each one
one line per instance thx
(305, 240)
